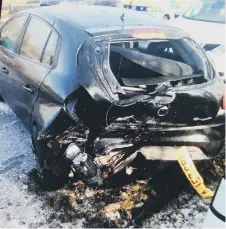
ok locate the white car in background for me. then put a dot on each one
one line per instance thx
(49, 2)
(205, 22)
(161, 13)
(215, 217)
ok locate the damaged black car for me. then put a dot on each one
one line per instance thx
(97, 86)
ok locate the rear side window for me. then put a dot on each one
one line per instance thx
(35, 39)
(11, 32)
(50, 49)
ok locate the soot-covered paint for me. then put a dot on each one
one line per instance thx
(109, 120)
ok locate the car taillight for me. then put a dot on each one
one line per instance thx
(146, 33)
(224, 100)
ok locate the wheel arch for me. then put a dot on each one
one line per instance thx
(166, 15)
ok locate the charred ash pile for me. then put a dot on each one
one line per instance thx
(131, 200)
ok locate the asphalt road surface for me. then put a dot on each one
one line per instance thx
(164, 200)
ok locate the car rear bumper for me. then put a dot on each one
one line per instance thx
(210, 138)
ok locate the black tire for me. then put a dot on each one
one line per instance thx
(53, 171)
(166, 17)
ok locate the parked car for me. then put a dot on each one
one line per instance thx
(111, 3)
(95, 90)
(138, 5)
(205, 22)
(161, 13)
(49, 2)
(154, 8)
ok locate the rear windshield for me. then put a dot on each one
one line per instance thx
(146, 62)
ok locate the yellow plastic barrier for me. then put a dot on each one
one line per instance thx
(189, 169)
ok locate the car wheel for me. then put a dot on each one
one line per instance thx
(53, 170)
(166, 17)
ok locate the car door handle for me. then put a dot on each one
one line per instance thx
(28, 88)
(5, 70)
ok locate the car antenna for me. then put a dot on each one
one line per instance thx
(123, 14)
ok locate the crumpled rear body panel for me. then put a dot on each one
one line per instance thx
(95, 75)
(102, 108)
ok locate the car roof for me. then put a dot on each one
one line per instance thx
(100, 18)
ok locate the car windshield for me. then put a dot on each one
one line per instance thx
(209, 11)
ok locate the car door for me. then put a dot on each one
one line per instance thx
(9, 37)
(33, 62)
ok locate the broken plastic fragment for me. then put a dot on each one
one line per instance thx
(129, 170)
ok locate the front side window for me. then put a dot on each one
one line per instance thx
(35, 39)
(11, 32)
